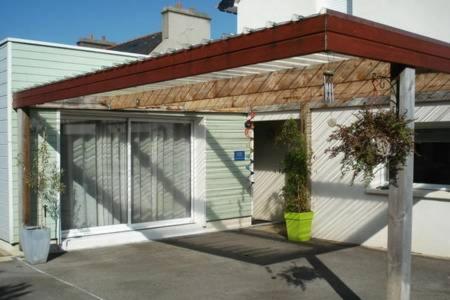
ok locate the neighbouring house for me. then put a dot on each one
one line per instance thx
(358, 214)
(424, 18)
(181, 28)
(157, 147)
(92, 42)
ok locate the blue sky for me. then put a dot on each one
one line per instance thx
(65, 21)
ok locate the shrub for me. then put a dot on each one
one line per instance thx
(296, 192)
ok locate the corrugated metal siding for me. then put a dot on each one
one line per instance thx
(227, 183)
(37, 64)
(4, 197)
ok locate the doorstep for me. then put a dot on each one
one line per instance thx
(8, 252)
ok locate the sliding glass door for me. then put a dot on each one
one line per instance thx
(94, 163)
(160, 168)
(125, 172)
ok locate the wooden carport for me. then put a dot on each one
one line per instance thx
(217, 76)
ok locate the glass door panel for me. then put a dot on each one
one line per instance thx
(94, 164)
(160, 171)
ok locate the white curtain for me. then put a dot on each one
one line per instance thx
(94, 162)
(161, 172)
(94, 167)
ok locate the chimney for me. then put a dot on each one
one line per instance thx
(183, 27)
(92, 42)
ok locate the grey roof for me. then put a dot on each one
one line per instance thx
(227, 6)
(141, 45)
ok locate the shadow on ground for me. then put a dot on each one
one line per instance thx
(14, 291)
(265, 248)
(253, 246)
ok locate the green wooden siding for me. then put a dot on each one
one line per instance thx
(48, 121)
(227, 183)
(4, 169)
(37, 64)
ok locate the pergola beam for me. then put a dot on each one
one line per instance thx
(353, 80)
(331, 32)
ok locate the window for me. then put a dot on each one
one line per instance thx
(432, 156)
(121, 171)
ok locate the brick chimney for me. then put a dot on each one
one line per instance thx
(181, 27)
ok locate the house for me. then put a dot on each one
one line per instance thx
(23, 64)
(358, 214)
(27, 63)
(158, 147)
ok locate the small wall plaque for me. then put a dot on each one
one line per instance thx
(239, 155)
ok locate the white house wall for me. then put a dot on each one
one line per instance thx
(429, 18)
(256, 13)
(348, 213)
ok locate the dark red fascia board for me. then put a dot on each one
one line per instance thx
(359, 37)
(332, 31)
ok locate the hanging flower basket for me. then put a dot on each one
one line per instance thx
(377, 137)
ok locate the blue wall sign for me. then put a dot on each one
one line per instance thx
(239, 155)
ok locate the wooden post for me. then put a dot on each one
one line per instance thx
(24, 128)
(401, 198)
(305, 127)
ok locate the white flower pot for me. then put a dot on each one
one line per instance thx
(35, 244)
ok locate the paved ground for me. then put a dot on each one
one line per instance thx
(246, 264)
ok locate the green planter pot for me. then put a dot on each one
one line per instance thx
(298, 225)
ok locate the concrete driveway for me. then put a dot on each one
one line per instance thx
(245, 264)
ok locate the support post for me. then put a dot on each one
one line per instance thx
(24, 129)
(401, 197)
(305, 127)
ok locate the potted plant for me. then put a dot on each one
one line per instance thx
(44, 181)
(377, 137)
(296, 191)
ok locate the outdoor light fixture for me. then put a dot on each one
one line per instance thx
(328, 88)
(332, 122)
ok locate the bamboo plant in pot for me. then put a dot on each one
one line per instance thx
(296, 191)
(44, 182)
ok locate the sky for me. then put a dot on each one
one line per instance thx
(66, 21)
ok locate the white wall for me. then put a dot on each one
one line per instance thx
(350, 214)
(428, 18)
(256, 13)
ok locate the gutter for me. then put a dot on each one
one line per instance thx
(70, 47)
